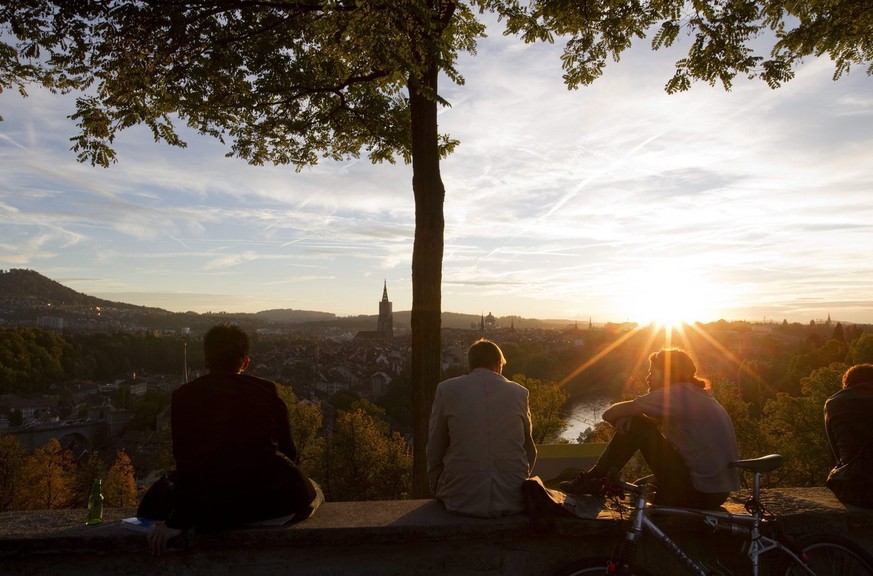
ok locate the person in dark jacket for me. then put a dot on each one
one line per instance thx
(236, 461)
(847, 423)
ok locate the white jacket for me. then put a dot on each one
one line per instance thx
(480, 448)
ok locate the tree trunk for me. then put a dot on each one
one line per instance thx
(427, 261)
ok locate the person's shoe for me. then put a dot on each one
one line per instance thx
(583, 483)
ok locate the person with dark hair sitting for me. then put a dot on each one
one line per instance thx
(685, 436)
(847, 424)
(236, 462)
(480, 449)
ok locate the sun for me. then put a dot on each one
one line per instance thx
(670, 295)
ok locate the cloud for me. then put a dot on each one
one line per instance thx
(558, 203)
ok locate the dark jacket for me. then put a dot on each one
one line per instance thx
(847, 417)
(235, 458)
(847, 422)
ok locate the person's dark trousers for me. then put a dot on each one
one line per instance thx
(672, 476)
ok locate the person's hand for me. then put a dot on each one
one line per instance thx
(158, 537)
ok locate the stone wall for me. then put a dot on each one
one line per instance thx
(380, 538)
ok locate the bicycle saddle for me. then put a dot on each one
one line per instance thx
(766, 463)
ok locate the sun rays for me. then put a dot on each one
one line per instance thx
(711, 355)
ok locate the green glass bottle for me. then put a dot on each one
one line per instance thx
(95, 503)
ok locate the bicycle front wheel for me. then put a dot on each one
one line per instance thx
(593, 567)
(827, 555)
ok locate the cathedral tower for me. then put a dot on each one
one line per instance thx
(385, 327)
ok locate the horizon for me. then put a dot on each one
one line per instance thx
(658, 324)
(612, 203)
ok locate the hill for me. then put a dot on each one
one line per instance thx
(19, 287)
(26, 295)
(289, 316)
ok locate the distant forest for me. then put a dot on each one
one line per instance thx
(773, 380)
(763, 360)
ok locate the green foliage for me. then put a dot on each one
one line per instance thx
(360, 459)
(16, 418)
(397, 402)
(147, 407)
(286, 83)
(861, 350)
(794, 427)
(723, 36)
(344, 399)
(823, 383)
(32, 359)
(600, 432)
(306, 421)
(363, 463)
(548, 403)
(751, 441)
(11, 467)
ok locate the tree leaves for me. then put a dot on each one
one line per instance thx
(724, 36)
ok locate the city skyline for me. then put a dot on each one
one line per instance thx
(614, 202)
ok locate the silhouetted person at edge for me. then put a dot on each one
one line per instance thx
(685, 436)
(235, 458)
(847, 417)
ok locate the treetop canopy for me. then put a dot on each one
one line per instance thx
(290, 82)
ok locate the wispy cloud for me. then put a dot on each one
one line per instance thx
(558, 203)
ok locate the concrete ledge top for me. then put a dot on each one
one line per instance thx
(56, 531)
(348, 523)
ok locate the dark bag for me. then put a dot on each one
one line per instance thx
(852, 482)
(543, 505)
(157, 504)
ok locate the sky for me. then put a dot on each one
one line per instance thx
(615, 202)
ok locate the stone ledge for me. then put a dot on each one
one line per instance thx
(392, 537)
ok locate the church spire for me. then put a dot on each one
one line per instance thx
(386, 318)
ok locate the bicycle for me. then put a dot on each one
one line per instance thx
(813, 555)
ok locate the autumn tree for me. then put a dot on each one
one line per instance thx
(296, 82)
(89, 467)
(47, 478)
(119, 490)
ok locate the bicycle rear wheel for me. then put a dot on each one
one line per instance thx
(828, 555)
(593, 567)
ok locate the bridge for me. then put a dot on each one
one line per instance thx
(77, 435)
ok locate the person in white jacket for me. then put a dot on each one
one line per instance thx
(480, 449)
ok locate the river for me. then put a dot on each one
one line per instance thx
(584, 414)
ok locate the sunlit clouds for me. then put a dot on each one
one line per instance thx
(613, 202)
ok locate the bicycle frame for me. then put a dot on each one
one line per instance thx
(746, 525)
